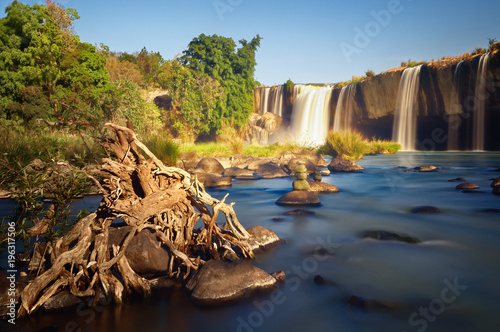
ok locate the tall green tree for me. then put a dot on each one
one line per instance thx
(41, 57)
(217, 57)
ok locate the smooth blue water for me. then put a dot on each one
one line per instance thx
(460, 246)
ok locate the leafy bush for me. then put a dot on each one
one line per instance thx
(229, 135)
(348, 144)
(163, 147)
(370, 73)
(351, 144)
(378, 146)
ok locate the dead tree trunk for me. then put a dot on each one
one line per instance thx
(145, 193)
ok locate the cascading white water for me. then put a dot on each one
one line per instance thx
(480, 96)
(310, 114)
(271, 100)
(455, 110)
(405, 118)
(276, 100)
(343, 111)
(264, 100)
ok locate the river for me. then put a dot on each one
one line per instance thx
(450, 281)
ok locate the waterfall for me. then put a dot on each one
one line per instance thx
(310, 114)
(480, 96)
(405, 117)
(271, 100)
(264, 100)
(343, 112)
(456, 109)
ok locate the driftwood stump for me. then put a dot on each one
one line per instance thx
(144, 193)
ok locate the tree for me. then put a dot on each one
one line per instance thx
(215, 56)
(39, 49)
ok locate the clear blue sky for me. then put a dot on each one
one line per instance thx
(308, 42)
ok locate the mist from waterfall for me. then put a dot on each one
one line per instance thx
(405, 118)
(480, 96)
(343, 112)
(310, 114)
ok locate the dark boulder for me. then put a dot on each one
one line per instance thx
(210, 165)
(270, 171)
(145, 253)
(188, 160)
(61, 301)
(219, 282)
(344, 165)
(495, 183)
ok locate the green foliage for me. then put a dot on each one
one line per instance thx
(195, 101)
(289, 86)
(493, 44)
(345, 144)
(230, 135)
(162, 146)
(369, 73)
(352, 145)
(478, 50)
(45, 70)
(354, 79)
(216, 57)
(412, 63)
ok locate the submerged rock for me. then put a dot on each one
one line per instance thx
(467, 186)
(426, 168)
(389, 236)
(220, 282)
(344, 165)
(364, 303)
(457, 180)
(425, 209)
(299, 197)
(300, 212)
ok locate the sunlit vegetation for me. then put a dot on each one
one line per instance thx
(351, 144)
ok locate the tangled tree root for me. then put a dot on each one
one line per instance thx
(145, 194)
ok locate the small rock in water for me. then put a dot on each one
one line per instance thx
(390, 236)
(472, 191)
(495, 183)
(426, 168)
(300, 212)
(457, 180)
(262, 238)
(363, 303)
(467, 185)
(278, 219)
(319, 280)
(344, 165)
(492, 210)
(425, 209)
(299, 197)
(322, 187)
